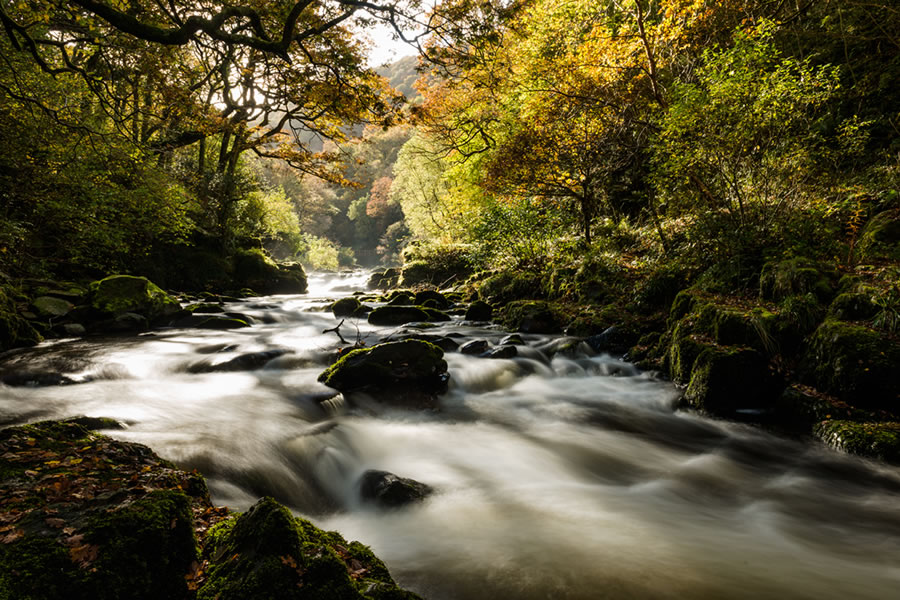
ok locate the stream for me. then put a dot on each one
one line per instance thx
(556, 476)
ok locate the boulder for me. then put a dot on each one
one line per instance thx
(345, 307)
(408, 372)
(398, 315)
(479, 311)
(439, 300)
(854, 363)
(254, 270)
(118, 294)
(880, 240)
(533, 316)
(390, 491)
(797, 276)
(502, 352)
(880, 440)
(476, 347)
(15, 331)
(268, 553)
(853, 306)
(245, 362)
(513, 339)
(205, 308)
(615, 340)
(382, 280)
(52, 307)
(725, 380)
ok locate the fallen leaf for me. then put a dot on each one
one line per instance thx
(84, 555)
(55, 523)
(9, 538)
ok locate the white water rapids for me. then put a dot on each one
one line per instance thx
(555, 478)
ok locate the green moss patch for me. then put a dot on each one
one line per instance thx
(874, 440)
(118, 294)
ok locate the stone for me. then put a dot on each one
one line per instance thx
(615, 340)
(72, 329)
(15, 331)
(245, 362)
(205, 308)
(479, 311)
(254, 270)
(382, 280)
(476, 347)
(727, 379)
(391, 491)
(533, 316)
(513, 339)
(49, 306)
(502, 352)
(879, 440)
(345, 307)
(408, 372)
(437, 298)
(118, 294)
(880, 240)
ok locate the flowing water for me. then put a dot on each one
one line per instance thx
(555, 477)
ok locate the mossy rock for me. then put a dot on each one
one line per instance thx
(873, 440)
(253, 269)
(855, 363)
(660, 288)
(51, 306)
(508, 286)
(853, 306)
(533, 316)
(595, 279)
(268, 554)
(118, 294)
(440, 301)
(797, 276)
(800, 408)
(405, 372)
(383, 280)
(479, 311)
(93, 518)
(685, 302)
(15, 331)
(345, 307)
(880, 240)
(399, 315)
(727, 379)
(683, 350)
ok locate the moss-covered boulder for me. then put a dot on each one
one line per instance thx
(119, 294)
(433, 298)
(345, 307)
(879, 440)
(254, 270)
(15, 331)
(533, 316)
(479, 311)
(508, 286)
(726, 379)
(797, 276)
(880, 240)
(398, 315)
(801, 407)
(854, 306)
(408, 372)
(268, 554)
(51, 307)
(87, 517)
(383, 280)
(855, 363)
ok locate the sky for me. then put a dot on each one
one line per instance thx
(385, 49)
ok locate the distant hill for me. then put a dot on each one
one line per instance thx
(402, 75)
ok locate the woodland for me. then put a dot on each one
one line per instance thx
(708, 188)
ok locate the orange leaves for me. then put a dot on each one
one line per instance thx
(84, 555)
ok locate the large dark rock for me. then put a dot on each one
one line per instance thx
(479, 311)
(254, 270)
(536, 316)
(409, 372)
(879, 440)
(437, 298)
(383, 280)
(880, 240)
(390, 491)
(51, 306)
(14, 330)
(725, 380)
(855, 363)
(119, 294)
(615, 340)
(268, 553)
(245, 362)
(345, 307)
(797, 276)
(398, 315)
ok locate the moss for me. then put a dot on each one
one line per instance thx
(780, 279)
(508, 286)
(398, 315)
(440, 301)
(800, 408)
(119, 294)
(345, 307)
(853, 306)
(267, 553)
(880, 240)
(220, 323)
(254, 269)
(855, 363)
(533, 316)
(727, 379)
(15, 331)
(38, 568)
(385, 366)
(874, 440)
(684, 303)
(683, 351)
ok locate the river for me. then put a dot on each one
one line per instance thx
(563, 477)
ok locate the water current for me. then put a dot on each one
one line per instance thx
(556, 476)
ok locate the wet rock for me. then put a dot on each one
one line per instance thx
(49, 306)
(853, 306)
(513, 339)
(15, 331)
(126, 322)
(443, 342)
(397, 315)
(880, 440)
(530, 316)
(476, 347)
(479, 311)
(855, 363)
(390, 491)
(71, 329)
(503, 352)
(382, 280)
(96, 423)
(244, 362)
(437, 298)
(409, 372)
(436, 315)
(268, 553)
(614, 340)
(35, 379)
(253, 269)
(218, 323)
(120, 294)
(345, 307)
(206, 308)
(401, 299)
(727, 379)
